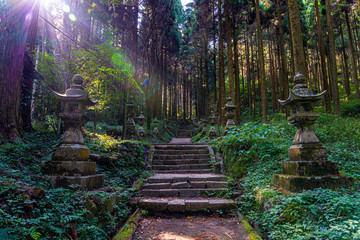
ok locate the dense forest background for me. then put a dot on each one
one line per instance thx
(177, 61)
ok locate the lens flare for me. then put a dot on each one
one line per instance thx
(72, 17)
(66, 8)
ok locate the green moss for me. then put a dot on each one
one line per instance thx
(250, 231)
(129, 228)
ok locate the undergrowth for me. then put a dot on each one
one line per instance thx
(31, 208)
(253, 153)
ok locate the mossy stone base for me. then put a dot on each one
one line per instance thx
(71, 152)
(73, 168)
(88, 182)
(310, 168)
(307, 152)
(294, 183)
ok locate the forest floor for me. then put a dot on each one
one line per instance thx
(180, 226)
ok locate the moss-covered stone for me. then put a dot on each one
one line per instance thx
(295, 183)
(310, 168)
(127, 231)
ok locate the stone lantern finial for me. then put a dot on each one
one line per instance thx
(299, 79)
(70, 161)
(308, 167)
(78, 79)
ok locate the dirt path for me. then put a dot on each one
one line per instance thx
(187, 227)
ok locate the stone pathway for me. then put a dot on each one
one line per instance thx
(176, 195)
(183, 177)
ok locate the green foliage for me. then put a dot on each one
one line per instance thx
(253, 152)
(32, 209)
(350, 109)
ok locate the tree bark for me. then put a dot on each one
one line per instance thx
(237, 73)
(230, 62)
(262, 80)
(322, 58)
(346, 81)
(332, 57)
(352, 55)
(297, 40)
(222, 93)
(13, 41)
(283, 69)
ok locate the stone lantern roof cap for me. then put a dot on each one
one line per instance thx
(141, 116)
(301, 93)
(229, 103)
(76, 92)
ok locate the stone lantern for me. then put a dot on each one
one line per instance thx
(308, 167)
(141, 130)
(156, 123)
(203, 125)
(70, 161)
(229, 108)
(212, 132)
(130, 123)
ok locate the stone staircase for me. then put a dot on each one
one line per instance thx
(182, 180)
(183, 131)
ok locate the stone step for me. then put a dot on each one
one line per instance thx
(183, 156)
(180, 146)
(180, 161)
(183, 135)
(185, 171)
(179, 167)
(189, 192)
(186, 205)
(173, 178)
(185, 185)
(181, 151)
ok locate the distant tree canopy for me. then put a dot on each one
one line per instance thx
(178, 61)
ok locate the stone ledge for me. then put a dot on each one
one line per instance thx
(88, 182)
(307, 152)
(310, 168)
(73, 168)
(295, 183)
(183, 205)
(71, 152)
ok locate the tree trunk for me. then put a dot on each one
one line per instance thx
(13, 41)
(322, 58)
(346, 80)
(283, 69)
(222, 93)
(332, 57)
(297, 40)
(292, 61)
(229, 51)
(262, 80)
(248, 72)
(237, 74)
(352, 55)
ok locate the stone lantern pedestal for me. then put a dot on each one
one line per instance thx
(70, 161)
(308, 167)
